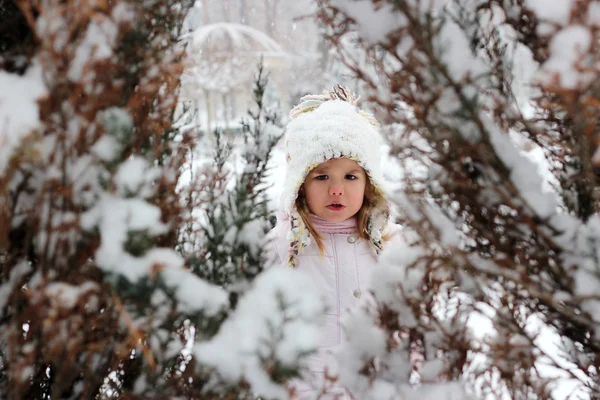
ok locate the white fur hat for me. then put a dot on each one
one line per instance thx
(324, 127)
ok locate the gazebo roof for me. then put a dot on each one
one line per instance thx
(224, 37)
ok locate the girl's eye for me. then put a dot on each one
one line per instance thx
(351, 177)
(321, 177)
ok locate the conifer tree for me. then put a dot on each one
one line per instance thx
(106, 290)
(491, 109)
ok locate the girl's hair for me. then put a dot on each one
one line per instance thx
(362, 216)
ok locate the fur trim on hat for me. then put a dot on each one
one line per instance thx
(324, 127)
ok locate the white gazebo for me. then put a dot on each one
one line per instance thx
(221, 63)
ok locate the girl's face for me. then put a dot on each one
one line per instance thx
(335, 190)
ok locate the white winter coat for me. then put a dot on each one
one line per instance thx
(341, 275)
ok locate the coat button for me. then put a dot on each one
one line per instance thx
(357, 293)
(351, 239)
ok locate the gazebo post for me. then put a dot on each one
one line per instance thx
(225, 115)
(209, 111)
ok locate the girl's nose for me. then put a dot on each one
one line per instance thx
(336, 190)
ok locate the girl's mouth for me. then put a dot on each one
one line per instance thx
(335, 207)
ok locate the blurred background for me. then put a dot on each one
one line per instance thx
(227, 39)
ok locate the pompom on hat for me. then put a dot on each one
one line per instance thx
(321, 128)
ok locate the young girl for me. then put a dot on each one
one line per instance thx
(334, 210)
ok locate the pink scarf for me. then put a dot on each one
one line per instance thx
(348, 226)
